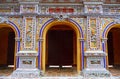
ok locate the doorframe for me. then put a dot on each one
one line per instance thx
(104, 42)
(42, 43)
(17, 41)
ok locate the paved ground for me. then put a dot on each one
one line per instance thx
(115, 71)
(59, 73)
(5, 71)
(71, 72)
(60, 78)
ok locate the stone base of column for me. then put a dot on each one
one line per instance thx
(96, 73)
(95, 65)
(27, 65)
(26, 73)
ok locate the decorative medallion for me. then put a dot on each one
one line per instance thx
(61, 17)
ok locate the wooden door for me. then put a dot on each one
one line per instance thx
(110, 48)
(11, 48)
(60, 47)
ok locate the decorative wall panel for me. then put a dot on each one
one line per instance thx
(29, 32)
(40, 22)
(93, 33)
(17, 21)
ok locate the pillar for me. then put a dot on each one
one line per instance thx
(27, 54)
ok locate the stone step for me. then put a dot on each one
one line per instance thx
(114, 77)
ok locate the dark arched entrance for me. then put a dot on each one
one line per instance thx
(113, 45)
(7, 47)
(61, 47)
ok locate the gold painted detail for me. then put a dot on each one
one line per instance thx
(39, 22)
(105, 21)
(80, 21)
(28, 9)
(17, 21)
(3, 10)
(29, 33)
(93, 31)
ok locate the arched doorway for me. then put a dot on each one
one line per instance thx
(43, 41)
(7, 49)
(113, 44)
(61, 48)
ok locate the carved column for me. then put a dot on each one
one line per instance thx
(104, 41)
(27, 55)
(82, 40)
(93, 33)
(94, 55)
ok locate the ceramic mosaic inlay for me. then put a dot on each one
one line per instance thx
(29, 33)
(93, 33)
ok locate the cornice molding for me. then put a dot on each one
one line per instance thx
(29, 3)
(70, 15)
(92, 3)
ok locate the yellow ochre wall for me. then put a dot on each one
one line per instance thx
(40, 21)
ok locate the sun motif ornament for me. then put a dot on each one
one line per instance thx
(3, 20)
(61, 17)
